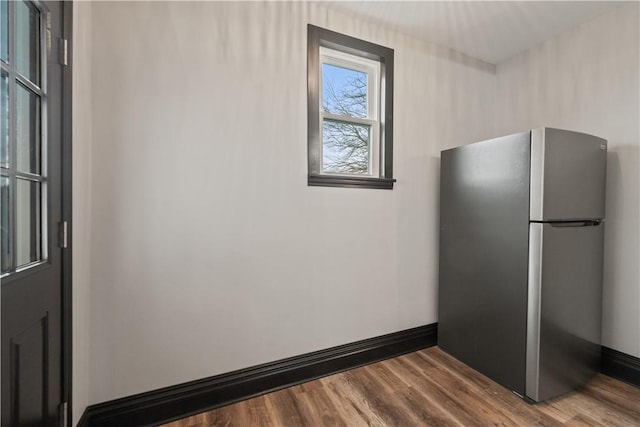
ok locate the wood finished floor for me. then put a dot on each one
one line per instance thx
(425, 388)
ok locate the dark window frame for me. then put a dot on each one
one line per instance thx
(317, 37)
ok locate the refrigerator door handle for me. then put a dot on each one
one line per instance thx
(588, 223)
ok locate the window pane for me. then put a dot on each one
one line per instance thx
(28, 40)
(4, 221)
(346, 147)
(344, 91)
(28, 222)
(4, 30)
(28, 130)
(4, 119)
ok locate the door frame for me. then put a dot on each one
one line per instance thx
(67, 207)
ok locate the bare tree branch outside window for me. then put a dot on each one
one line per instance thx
(346, 145)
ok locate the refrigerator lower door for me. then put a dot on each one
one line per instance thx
(564, 312)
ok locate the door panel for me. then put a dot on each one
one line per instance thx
(31, 319)
(28, 376)
(31, 296)
(568, 171)
(569, 313)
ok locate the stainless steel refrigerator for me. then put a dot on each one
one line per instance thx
(521, 251)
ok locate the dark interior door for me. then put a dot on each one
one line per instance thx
(31, 212)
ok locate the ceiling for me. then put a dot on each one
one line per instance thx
(489, 30)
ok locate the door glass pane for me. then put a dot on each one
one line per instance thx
(28, 40)
(4, 30)
(4, 120)
(345, 147)
(28, 130)
(28, 222)
(4, 206)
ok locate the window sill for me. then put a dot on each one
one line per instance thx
(350, 181)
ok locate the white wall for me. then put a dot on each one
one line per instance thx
(81, 209)
(209, 252)
(587, 79)
(204, 248)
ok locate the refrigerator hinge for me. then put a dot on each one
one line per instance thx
(63, 234)
(64, 51)
(63, 414)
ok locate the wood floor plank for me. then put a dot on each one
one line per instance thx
(420, 400)
(580, 404)
(284, 408)
(252, 412)
(420, 381)
(222, 417)
(582, 421)
(425, 388)
(617, 387)
(318, 406)
(379, 402)
(511, 405)
(401, 393)
(194, 421)
(626, 403)
(485, 412)
(554, 413)
(354, 404)
(425, 410)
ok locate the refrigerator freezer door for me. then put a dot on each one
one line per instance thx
(567, 175)
(484, 233)
(564, 307)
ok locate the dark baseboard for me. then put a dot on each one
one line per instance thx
(621, 366)
(182, 400)
(170, 403)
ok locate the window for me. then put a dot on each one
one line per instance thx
(350, 111)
